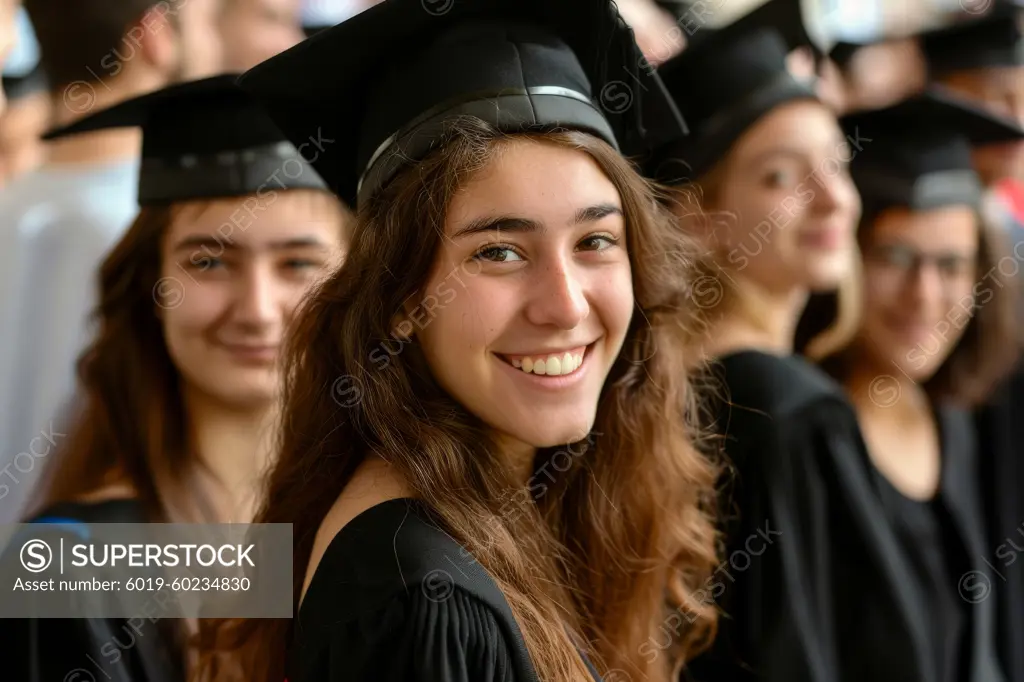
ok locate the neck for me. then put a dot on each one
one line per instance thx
(880, 391)
(762, 320)
(520, 457)
(232, 451)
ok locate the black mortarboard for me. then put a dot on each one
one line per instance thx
(204, 139)
(917, 153)
(726, 81)
(383, 85)
(991, 41)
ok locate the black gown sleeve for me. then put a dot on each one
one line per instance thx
(418, 636)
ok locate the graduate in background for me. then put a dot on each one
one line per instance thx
(983, 59)
(520, 295)
(181, 385)
(769, 161)
(937, 334)
(57, 222)
(29, 107)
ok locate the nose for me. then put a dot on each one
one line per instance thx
(926, 288)
(558, 296)
(257, 298)
(836, 192)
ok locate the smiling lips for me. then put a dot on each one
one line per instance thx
(551, 364)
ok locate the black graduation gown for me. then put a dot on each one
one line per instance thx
(1000, 425)
(816, 586)
(112, 649)
(395, 599)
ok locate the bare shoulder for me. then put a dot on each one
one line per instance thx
(374, 482)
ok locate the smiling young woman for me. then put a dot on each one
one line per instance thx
(512, 491)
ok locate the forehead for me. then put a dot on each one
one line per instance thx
(797, 126)
(254, 221)
(951, 227)
(537, 180)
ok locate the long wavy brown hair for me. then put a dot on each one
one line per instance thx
(612, 553)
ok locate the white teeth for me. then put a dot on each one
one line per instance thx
(555, 365)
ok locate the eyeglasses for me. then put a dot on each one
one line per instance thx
(907, 260)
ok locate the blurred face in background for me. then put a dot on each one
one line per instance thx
(237, 289)
(919, 275)
(1001, 90)
(202, 49)
(884, 73)
(796, 209)
(256, 30)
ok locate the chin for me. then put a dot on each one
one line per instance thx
(552, 434)
(828, 274)
(241, 392)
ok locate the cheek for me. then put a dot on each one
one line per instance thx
(200, 308)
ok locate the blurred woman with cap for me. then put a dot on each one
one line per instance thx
(179, 389)
(936, 335)
(769, 161)
(504, 485)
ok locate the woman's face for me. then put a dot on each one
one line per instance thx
(795, 206)
(919, 280)
(531, 295)
(233, 274)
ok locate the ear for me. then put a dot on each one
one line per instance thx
(156, 38)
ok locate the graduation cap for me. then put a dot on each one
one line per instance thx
(991, 41)
(201, 140)
(917, 153)
(384, 85)
(726, 81)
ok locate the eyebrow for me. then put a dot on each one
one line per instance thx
(794, 152)
(198, 241)
(589, 214)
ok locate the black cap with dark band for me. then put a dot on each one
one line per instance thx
(917, 153)
(388, 81)
(994, 40)
(203, 140)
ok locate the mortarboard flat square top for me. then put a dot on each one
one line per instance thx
(993, 40)
(203, 139)
(740, 73)
(917, 153)
(384, 84)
